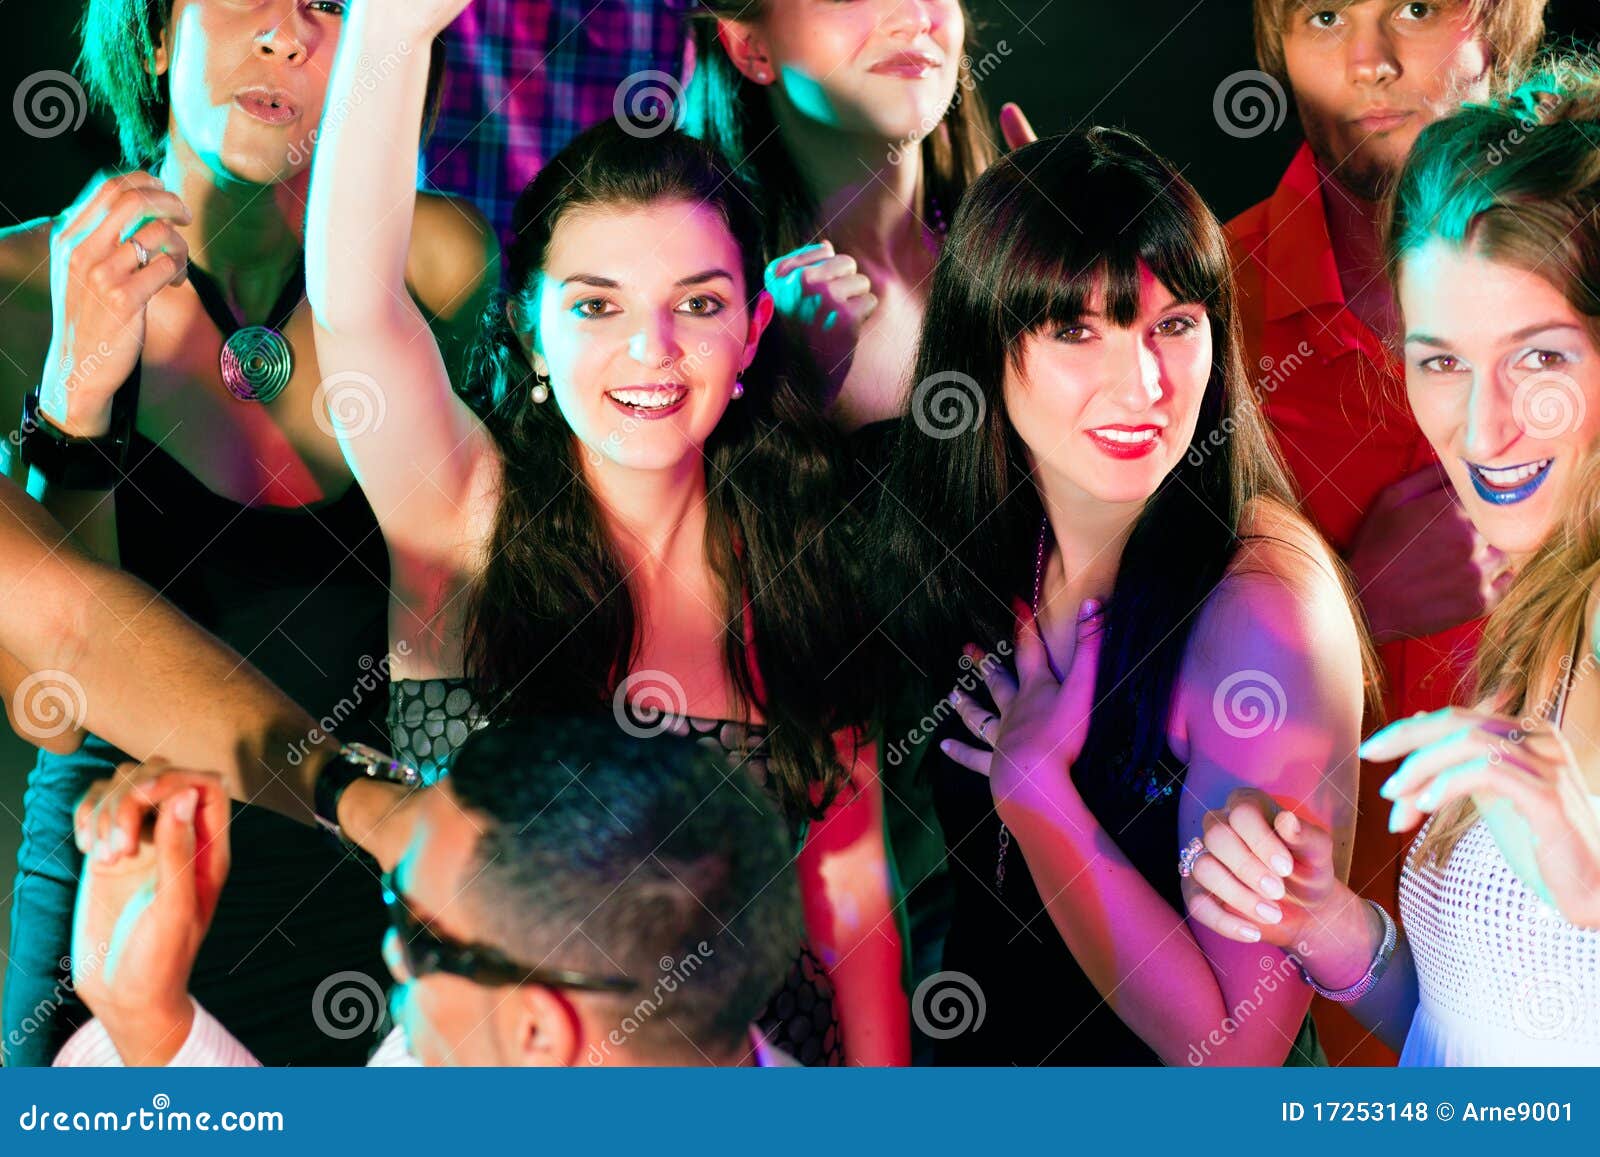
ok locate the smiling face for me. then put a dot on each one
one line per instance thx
(1369, 77)
(886, 68)
(643, 329)
(247, 79)
(1503, 376)
(1110, 410)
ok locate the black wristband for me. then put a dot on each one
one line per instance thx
(69, 462)
(354, 761)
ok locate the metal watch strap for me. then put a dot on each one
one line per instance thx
(1375, 970)
(355, 761)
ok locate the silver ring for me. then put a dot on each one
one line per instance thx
(983, 729)
(1191, 852)
(140, 252)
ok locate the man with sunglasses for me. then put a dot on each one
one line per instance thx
(569, 895)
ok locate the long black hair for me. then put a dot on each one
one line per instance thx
(1035, 236)
(553, 627)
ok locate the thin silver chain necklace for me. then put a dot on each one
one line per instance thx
(1038, 589)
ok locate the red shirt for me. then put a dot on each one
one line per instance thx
(1334, 395)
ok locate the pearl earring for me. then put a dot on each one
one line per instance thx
(541, 389)
(738, 388)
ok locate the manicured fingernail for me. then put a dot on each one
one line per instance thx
(1250, 932)
(102, 851)
(944, 746)
(1272, 886)
(1429, 799)
(119, 842)
(1282, 864)
(1394, 818)
(1269, 912)
(1389, 790)
(183, 806)
(955, 696)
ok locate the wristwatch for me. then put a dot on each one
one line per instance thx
(355, 761)
(71, 462)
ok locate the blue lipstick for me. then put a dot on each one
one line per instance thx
(1503, 496)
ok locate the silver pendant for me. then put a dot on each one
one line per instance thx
(256, 363)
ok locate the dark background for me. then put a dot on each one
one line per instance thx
(1152, 66)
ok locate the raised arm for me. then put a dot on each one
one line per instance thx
(425, 463)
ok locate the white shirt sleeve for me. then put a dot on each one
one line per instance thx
(208, 1045)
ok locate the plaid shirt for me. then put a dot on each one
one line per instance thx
(526, 76)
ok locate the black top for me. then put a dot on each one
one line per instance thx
(302, 593)
(1039, 1007)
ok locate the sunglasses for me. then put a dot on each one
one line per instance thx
(422, 951)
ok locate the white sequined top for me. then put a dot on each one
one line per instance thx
(1502, 977)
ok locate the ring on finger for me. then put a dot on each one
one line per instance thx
(1191, 852)
(983, 729)
(140, 251)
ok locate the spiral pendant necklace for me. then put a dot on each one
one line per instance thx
(256, 361)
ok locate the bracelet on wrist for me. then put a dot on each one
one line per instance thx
(1375, 970)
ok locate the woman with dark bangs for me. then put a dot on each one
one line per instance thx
(1107, 503)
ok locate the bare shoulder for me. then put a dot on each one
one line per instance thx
(1283, 592)
(455, 259)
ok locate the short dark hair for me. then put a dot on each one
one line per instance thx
(120, 38)
(656, 857)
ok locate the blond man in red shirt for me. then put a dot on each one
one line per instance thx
(1366, 76)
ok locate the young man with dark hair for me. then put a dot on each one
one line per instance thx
(569, 895)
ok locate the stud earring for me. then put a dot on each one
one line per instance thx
(738, 388)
